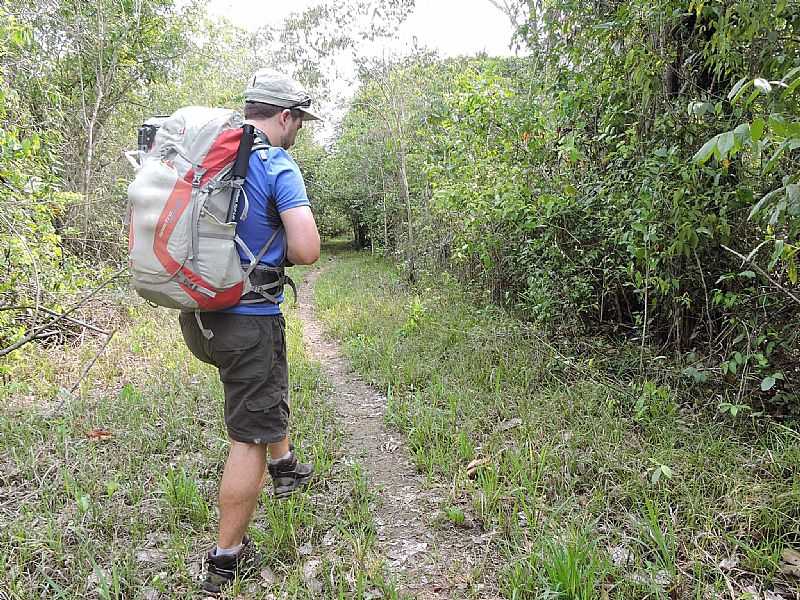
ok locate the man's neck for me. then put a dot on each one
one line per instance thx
(268, 128)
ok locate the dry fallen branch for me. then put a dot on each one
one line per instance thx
(83, 324)
(35, 332)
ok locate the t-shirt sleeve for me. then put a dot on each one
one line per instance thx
(290, 189)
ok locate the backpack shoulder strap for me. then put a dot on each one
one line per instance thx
(263, 151)
(262, 147)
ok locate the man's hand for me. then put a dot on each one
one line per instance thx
(302, 237)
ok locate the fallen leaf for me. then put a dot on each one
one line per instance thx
(791, 556)
(99, 434)
(150, 556)
(267, 576)
(791, 562)
(157, 538)
(510, 424)
(305, 550)
(620, 556)
(314, 585)
(472, 468)
(329, 538)
(662, 578)
(310, 569)
(793, 570)
(406, 550)
(390, 445)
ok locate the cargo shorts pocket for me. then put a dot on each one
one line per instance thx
(244, 357)
(235, 348)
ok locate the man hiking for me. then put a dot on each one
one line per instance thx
(248, 344)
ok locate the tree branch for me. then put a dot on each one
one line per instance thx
(21, 342)
(749, 260)
(85, 372)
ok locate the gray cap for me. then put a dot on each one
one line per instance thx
(272, 87)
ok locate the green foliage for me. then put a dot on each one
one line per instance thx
(182, 495)
(582, 198)
(579, 474)
(32, 208)
(764, 147)
(566, 569)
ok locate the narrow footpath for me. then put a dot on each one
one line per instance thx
(428, 560)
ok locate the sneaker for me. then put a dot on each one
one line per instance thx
(289, 475)
(223, 569)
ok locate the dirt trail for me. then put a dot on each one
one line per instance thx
(429, 561)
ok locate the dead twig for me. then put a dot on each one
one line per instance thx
(56, 314)
(33, 334)
(749, 260)
(75, 321)
(85, 372)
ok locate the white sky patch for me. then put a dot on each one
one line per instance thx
(451, 27)
(459, 27)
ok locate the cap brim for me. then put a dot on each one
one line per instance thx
(308, 115)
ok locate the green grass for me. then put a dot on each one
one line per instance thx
(133, 514)
(580, 464)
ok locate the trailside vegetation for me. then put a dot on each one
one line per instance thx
(633, 173)
(585, 487)
(589, 328)
(76, 81)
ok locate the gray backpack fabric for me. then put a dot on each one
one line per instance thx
(183, 246)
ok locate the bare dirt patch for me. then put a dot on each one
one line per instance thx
(430, 558)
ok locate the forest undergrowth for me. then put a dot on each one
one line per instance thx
(592, 487)
(111, 493)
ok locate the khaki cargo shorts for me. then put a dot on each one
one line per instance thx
(250, 353)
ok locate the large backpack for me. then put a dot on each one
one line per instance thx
(182, 208)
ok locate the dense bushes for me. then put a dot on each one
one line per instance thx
(612, 177)
(32, 262)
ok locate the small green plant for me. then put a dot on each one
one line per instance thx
(416, 313)
(466, 450)
(733, 409)
(659, 539)
(183, 495)
(112, 485)
(658, 471)
(573, 568)
(110, 585)
(654, 401)
(84, 502)
(455, 515)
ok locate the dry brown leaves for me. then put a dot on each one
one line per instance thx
(99, 434)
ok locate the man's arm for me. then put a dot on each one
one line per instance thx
(302, 237)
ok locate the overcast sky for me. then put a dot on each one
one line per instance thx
(451, 26)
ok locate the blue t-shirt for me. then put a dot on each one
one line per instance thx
(272, 178)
